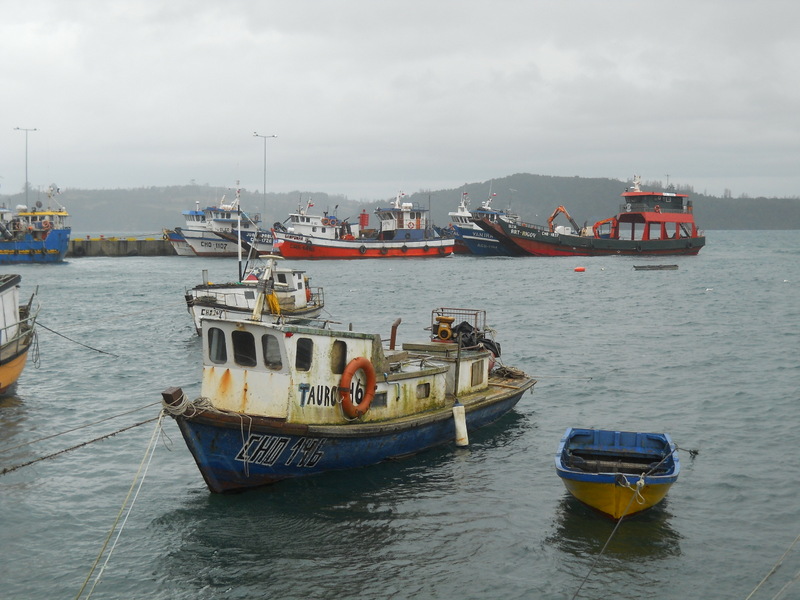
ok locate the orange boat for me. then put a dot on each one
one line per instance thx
(16, 331)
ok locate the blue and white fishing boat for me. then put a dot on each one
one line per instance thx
(219, 230)
(474, 239)
(284, 400)
(34, 234)
(618, 473)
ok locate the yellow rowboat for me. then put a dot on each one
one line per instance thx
(617, 473)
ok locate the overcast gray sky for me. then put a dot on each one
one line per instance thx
(369, 97)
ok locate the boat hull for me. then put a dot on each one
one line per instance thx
(52, 249)
(540, 242)
(11, 368)
(213, 310)
(271, 450)
(482, 243)
(617, 473)
(304, 248)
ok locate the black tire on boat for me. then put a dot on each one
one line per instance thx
(362, 249)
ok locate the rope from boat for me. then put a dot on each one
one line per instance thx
(775, 568)
(639, 485)
(189, 408)
(143, 467)
(39, 324)
(75, 447)
(47, 437)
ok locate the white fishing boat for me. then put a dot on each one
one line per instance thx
(289, 296)
(17, 333)
(219, 231)
(284, 400)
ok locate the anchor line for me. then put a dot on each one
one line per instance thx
(144, 465)
(75, 341)
(639, 485)
(775, 568)
(7, 470)
(47, 437)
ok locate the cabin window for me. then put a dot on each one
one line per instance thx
(305, 350)
(272, 351)
(379, 400)
(423, 390)
(477, 373)
(338, 357)
(281, 278)
(249, 295)
(244, 348)
(217, 352)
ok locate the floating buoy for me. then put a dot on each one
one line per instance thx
(460, 418)
(580, 269)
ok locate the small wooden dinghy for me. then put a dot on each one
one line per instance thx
(618, 473)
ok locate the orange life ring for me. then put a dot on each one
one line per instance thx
(410, 225)
(351, 410)
(46, 224)
(326, 222)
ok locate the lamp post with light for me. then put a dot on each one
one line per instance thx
(264, 190)
(26, 130)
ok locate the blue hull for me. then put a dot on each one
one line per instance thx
(235, 453)
(481, 243)
(52, 249)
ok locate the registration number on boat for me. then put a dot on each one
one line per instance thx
(267, 450)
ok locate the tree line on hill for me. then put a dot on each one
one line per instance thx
(533, 197)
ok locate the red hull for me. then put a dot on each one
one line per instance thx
(359, 249)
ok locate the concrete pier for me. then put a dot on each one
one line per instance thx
(114, 246)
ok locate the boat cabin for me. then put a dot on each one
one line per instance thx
(402, 220)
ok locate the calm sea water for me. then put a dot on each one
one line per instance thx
(708, 353)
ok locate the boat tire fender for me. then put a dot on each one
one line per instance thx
(362, 249)
(356, 410)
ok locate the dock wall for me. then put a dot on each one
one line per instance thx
(113, 246)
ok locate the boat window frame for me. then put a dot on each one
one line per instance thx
(304, 354)
(217, 346)
(271, 351)
(244, 348)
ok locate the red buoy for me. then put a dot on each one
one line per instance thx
(580, 269)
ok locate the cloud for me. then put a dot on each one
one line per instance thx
(369, 97)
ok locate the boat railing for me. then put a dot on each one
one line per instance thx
(647, 207)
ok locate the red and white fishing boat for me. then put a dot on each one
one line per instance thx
(649, 223)
(404, 231)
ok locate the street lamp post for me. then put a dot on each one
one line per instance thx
(264, 189)
(26, 130)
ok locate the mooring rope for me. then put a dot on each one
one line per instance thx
(38, 323)
(639, 485)
(75, 447)
(47, 437)
(775, 568)
(637, 494)
(143, 467)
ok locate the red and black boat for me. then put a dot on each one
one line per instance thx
(649, 223)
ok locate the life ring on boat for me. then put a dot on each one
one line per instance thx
(657, 208)
(46, 224)
(357, 410)
(410, 225)
(628, 207)
(326, 222)
(332, 221)
(362, 249)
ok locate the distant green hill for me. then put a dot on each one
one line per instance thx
(533, 197)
